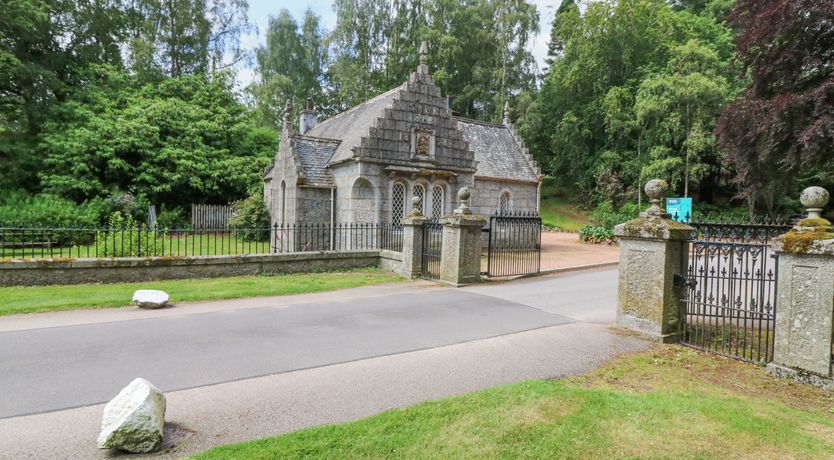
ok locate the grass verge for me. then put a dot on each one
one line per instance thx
(32, 299)
(669, 402)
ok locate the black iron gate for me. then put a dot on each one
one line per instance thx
(432, 242)
(515, 245)
(730, 288)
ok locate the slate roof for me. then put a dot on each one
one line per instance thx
(313, 155)
(496, 150)
(353, 124)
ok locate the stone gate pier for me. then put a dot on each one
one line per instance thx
(653, 258)
(805, 310)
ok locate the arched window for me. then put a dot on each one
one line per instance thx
(397, 203)
(420, 191)
(283, 202)
(437, 201)
(504, 203)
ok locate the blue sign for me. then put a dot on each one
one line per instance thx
(679, 208)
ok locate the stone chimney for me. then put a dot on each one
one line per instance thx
(308, 118)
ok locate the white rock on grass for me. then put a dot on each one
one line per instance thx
(150, 298)
(133, 421)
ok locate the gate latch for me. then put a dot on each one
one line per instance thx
(679, 281)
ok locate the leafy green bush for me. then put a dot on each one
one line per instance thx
(607, 216)
(125, 237)
(251, 219)
(21, 210)
(596, 235)
(171, 218)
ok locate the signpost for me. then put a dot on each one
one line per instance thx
(679, 208)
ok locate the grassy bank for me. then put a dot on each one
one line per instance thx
(670, 402)
(52, 298)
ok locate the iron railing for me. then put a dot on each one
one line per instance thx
(432, 245)
(730, 290)
(514, 246)
(142, 241)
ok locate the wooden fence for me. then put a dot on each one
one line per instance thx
(211, 216)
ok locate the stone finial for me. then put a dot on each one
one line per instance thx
(506, 113)
(309, 104)
(417, 205)
(463, 197)
(656, 189)
(424, 53)
(814, 199)
(287, 118)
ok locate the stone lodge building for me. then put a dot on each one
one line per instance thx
(365, 164)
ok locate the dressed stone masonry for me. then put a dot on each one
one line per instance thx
(460, 255)
(134, 420)
(367, 163)
(653, 251)
(805, 308)
(412, 255)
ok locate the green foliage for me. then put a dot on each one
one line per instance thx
(171, 218)
(251, 219)
(20, 209)
(124, 237)
(634, 90)
(184, 140)
(596, 235)
(607, 216)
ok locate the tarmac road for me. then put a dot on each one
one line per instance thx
(234, 370)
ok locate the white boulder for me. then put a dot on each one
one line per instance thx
(150, 298)
(133, 421)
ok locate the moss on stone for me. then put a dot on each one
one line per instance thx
(799, 242)
(653, 227)
(815, 223)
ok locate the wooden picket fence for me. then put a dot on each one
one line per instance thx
(211, 216)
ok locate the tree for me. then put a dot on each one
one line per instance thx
(783, 124)
(556, 45)
(184, 140)
(479, 50)
(289, 66)
(613, 99)
(680, 106)
(44, 47)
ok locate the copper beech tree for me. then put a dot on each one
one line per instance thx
(783, 122)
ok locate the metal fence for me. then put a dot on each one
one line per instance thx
(141, 241)
(514, 246)
(432, 248)
(730, 286)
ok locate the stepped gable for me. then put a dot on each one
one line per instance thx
(351, 125)
(313, 155)
(498, 151)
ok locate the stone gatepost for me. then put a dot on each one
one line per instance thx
(412, 261)
(460, 254)
(805, 303)
(653, 260)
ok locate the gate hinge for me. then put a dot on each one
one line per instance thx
(679, 281)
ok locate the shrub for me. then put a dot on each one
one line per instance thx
(125, 238)
(596, 235)
(606, 216)
(171, 218)
(21, 210)
(251, 220)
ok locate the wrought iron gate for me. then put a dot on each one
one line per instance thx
(730, 288)
(432, 242)
(515, 245)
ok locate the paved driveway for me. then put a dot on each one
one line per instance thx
(234, 370)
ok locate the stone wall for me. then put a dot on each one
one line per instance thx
(281, 200)
(486, 195)
(41, 272)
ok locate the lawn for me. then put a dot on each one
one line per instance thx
(26, 299)
(560, 213)
(669, 402)
(559, 208)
